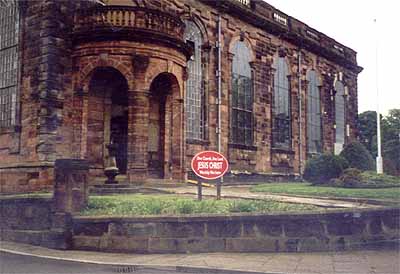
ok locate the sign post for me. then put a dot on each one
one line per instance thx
(209, 165)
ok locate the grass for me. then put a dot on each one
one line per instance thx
(139, 204)
(371, 179)
(306, 189)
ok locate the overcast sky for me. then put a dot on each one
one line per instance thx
(351, 22)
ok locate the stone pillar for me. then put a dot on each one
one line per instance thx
(138, 129)
(71, 189)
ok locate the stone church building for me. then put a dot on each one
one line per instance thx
(163, 80)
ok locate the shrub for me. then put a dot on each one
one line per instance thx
(358, 156)
(351, 177)
(374, 180)
(321, 169)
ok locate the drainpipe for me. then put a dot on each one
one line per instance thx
(300, 113)
(219, 87)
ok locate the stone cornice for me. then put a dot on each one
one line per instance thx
(273, 21)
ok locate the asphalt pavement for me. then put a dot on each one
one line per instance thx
(39, 260)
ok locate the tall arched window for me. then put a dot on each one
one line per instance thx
(339, 113)
(314, 140)
(281, 123)
(194, 101)
(9, 30)
(242, 96)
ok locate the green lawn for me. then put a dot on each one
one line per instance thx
(139, 204)
(306, 189)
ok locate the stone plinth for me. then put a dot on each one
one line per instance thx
(71, 185)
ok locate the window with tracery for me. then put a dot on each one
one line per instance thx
(339, 113)
(314, 136)
(281, 121)
(194, 101)
(9, 29)
(242, 96)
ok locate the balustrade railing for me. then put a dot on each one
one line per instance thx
(244, 2)
(124, 17)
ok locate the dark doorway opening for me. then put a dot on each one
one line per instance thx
(159, 91)
(108, 116)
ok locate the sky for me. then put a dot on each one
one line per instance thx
(351, 23)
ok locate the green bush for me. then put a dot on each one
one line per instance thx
(358, 156)
(321, 169)
(351, 178)
(373, 180)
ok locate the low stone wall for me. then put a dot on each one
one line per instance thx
(339, 230)
(31, 221)
(47, 221)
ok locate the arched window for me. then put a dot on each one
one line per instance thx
(9, 29)
(339, 113)
(314, 140)
(281, 123)
(194, 101)
(242, 96)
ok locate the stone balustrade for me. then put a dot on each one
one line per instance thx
(119, 18)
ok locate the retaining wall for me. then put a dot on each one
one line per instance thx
(339, 230)
(31, 221)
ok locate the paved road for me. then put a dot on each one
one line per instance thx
(244, 192)
(379, 261)
(22, 264)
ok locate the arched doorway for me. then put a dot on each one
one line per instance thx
(159, 163)
(107, 117)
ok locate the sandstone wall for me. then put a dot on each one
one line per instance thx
(340, 230)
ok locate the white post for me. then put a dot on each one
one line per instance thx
(379, 160)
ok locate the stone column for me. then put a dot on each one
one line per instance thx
(71, 189)
(107, 127)
(138, 128)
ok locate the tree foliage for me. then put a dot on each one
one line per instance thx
(358, 156)
(321, 169)
(390, 131)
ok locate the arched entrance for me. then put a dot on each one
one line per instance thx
(107, 117)
(159, 115)
(163, 129)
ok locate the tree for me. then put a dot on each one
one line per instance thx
(366, 125)
(390, 129)
(391, 141)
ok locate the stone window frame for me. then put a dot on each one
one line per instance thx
(287, 144)
(310, 99)
(10, 66)
(247, 143)
(200, 135)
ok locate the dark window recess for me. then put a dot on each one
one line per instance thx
(194, 100)
(281, 121)
(314, 135)
(9, 29)
(241, 96)
(339, 113)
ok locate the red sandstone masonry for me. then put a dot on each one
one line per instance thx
(296, 232)
(56, 71)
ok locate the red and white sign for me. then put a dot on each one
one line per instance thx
(209, 165)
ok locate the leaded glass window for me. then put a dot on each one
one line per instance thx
(194, 102)
(339, 112)
(314, 140)
(242, 96)
(9, 28)
(281, 122)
